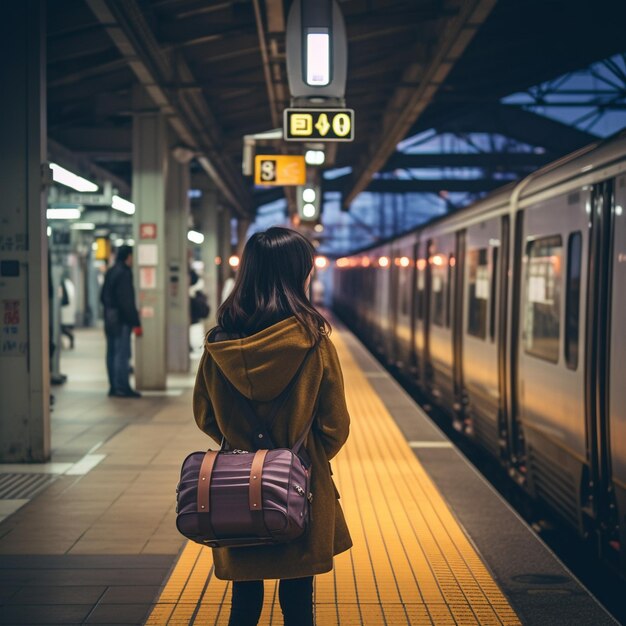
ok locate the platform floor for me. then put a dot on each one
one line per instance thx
(411, 562)
(433, 543)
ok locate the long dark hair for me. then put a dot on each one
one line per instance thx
(270, 285)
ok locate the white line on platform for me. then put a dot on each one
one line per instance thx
(159, 394)
(430, 444)
(86, 464)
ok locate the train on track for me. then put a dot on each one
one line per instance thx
(510, 315)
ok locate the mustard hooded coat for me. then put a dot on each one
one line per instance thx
(260, 366)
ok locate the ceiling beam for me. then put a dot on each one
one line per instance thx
(188, 113)
(500, 160)
(407, 104)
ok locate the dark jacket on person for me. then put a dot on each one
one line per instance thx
(118, 293)
(260, 366)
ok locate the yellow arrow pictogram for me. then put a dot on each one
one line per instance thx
(322, 124)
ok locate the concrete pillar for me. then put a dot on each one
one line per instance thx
(24, 332)
(150, 160)
(177, 224)
(210, 252)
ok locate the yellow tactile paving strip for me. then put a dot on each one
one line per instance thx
(411, 562)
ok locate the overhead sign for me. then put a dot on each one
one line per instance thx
(318, 124)
(279, 169)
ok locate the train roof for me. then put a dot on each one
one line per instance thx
(588, 165)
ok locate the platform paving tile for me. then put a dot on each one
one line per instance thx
(66, 614)
(57, 594)
(111, 613)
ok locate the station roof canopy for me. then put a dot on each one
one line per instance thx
(217, 70)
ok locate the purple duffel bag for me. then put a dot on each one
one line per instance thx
(236, 498)
(229, 499)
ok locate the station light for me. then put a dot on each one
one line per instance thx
(314, 157)
(383, 261)
(195, 237)
(404, 261)
(321, 262)
(83, 226)
(308, 194)
(125, 206)
(233, 261)
(65, 213)
(218, 260)
(69, 179)
(49, 231)
(318, 58)
(308, 200)
(343, 262)
(119, 242)
(319, 228)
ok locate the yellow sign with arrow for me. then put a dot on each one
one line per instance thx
(279, 170)
(318, 125)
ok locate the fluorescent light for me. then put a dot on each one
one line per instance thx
(321, 262)
(49, 231)
(314, 157)
(118, 242)
(317, 59)
(65, 177)
(123, 205)
(195, 237)
(63, 214)
(83, 226)
(233, 261)
(130, 242)
(308, 210)
(308, 195)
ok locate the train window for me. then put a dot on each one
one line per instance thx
(478, 284)
(439, 271)
(543, 298)
(572, 302)
(494, 286)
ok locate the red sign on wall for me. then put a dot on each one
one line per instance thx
(147, 231)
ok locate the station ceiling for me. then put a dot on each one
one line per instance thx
(217, 69)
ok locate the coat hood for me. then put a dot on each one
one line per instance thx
(260, 366)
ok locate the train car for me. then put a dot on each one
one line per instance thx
(507, 315)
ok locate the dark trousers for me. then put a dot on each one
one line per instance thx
(68, 331)
(295, 596)
(118, 355)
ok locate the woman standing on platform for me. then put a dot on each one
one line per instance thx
(265, 329)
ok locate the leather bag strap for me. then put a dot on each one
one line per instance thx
(204, 481)
(256, 481)
(255, 493)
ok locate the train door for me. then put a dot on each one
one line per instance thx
(615, 484)
(421, 310)
(442, 259)
(382, 325)
(404, 266)
(480, 334)
(551, 366)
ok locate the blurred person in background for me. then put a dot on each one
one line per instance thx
(68, 309)
(120, 319)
